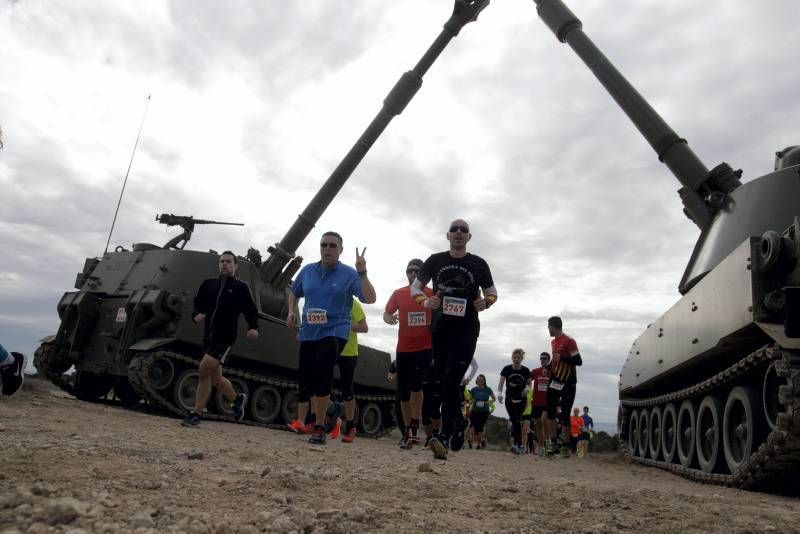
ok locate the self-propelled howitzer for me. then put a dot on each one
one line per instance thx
(711, 389)
(129, 326)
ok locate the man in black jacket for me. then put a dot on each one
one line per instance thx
(218, 303)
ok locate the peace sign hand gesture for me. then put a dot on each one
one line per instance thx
(361, 263)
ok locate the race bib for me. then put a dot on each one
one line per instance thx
(317, 316)
(454, 306)
(416, 318)
(556, 385)
(542, 386)
(480, 404)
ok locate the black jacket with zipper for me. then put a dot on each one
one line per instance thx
(221, 300)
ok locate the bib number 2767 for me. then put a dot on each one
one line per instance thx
(454, 306)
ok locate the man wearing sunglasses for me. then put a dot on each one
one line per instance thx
(328, 288)
(462, 287)
(413, 350)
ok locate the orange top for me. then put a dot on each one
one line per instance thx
(415, 334)
(575, 424)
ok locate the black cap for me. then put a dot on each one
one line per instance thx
(416, 262)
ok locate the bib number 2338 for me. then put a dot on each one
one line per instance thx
(454, 306)
(316, 316)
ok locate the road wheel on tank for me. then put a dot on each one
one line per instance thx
(633, 433)
(644, 432)
(223, 405)
(185, 390)
(370, 420)
(125, 392)
(654, 437)
(739, 426)
(669, 433)
(90, 386)
(685, 431)
(160, 373)
(289, 405)
(770, 397)
(708, 434)
(265, 404)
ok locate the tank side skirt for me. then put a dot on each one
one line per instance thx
(767, 466)
(139, 368)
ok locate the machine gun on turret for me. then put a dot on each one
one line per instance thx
(186, 222)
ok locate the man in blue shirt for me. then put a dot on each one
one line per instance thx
(328, 288)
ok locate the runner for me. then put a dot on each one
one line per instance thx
(575, 428)
(328, 287)
(541, 381)
(398, 415)
(347, 362)
(413, 350)
(482, 401)
(466, 410)
(12, 371)
(431, 404)
(564, 377)
(586, 433)
(525, 421)
(517, 379)
(222, 300)
(458, 278)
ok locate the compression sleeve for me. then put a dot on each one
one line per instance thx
(473, 368)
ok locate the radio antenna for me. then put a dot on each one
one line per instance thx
(119, 202)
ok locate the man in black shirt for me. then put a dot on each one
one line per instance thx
(462, 287)
(517, 379)
(218, 303)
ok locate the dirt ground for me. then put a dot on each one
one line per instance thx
(73, 466)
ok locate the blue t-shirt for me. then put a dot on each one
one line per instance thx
(587, 422)
(480, 398)
(328, 293)
(4, 355)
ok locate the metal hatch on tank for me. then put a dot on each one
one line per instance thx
(129, 327)
(711, 389)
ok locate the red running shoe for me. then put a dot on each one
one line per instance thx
(336, 430)
(349, 435)
(296, 426)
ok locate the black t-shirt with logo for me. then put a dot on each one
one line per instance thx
(457, 281)
(515, 381)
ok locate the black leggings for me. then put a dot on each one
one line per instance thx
(478, 420)
(431, 397)
(515, 409)
(347, 372)
(316, 366)
(453, 349)
(411, 368)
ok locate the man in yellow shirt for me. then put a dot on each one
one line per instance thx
(347, 362)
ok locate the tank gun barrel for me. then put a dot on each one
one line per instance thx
(464, 12)
(703, 192)
(186, 222)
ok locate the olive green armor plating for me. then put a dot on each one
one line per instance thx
(129, 326)
(711, 390)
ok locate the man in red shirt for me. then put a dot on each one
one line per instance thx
(413, 350)
(540, 378)
(563, 378)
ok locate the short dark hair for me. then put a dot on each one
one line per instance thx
(229, 253)
(586, 408)
(415, 262)
(544, 354)
(555, 321)
(336, 235)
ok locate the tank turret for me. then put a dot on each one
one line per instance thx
(709, 389)
(129, 324)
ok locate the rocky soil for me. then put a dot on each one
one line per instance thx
(73, 466)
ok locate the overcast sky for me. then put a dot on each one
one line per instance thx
(254, 104)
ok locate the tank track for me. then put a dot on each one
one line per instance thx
(139, 367)
(41, 361)
(777, 458)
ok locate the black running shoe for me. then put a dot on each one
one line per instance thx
(238, 406)
(457, 439)
(13, 375)
(438, 445)
(191, 420)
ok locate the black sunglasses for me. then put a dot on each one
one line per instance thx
(328, 245)
(463, 229)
